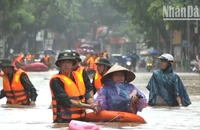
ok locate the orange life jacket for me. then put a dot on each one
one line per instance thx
(80, 70)
(15, 92)
(29, 57)
(17, 60)
(97, 81)
(91, 63)
(76, 91)
(21, 56)
(46, 59)
(95, 66)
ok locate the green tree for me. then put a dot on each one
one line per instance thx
(15, 17)
(148, 15)
(22, 19)
(138, 12)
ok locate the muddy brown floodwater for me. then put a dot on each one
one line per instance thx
(40, 117)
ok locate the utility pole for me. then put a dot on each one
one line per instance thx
(198, 46)
(171, 42)
(158, 40)
(188, 38)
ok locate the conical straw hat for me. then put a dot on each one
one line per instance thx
(129, 75)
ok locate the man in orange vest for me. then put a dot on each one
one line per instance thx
(18, 61)
(29, 58)
(68, 91)
(90, 64)
(45, 60)
(17, 87)
(103, 65)
(82, 71)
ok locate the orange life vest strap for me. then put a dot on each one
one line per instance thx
(7, 93)
(74, 97)
(14, 91)
(80, 70)
(8, 96)
(64, 113)
(22, 101)
(97, 81)
(71, 112)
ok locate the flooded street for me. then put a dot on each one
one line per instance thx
(40, 117)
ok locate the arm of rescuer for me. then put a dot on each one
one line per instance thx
(89, 88)
(62, 98)
(28, 86)
(2, 94)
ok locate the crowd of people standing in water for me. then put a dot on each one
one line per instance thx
(25, 59)
(49, 59)
(72, 92)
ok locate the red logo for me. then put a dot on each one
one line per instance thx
(65, 54)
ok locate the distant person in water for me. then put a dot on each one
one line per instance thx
(118, 94)
(165, 87)
(17, 87)
(103, 65)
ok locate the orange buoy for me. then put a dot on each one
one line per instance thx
(115, 116)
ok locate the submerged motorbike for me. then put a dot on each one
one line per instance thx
(149, 66)
(128, 63)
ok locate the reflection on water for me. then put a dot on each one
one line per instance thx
(157, 118)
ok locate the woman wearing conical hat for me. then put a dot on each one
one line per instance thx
(118, 94)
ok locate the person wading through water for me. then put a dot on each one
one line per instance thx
(103, 65)
(17, 87)
(165, 86)
(86, 79)
(68, 91)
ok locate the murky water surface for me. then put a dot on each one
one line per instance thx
(40, 117)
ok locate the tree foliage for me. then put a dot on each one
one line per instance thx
(31, 16)
(15, 15)
(75, 18)
(148, 15)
